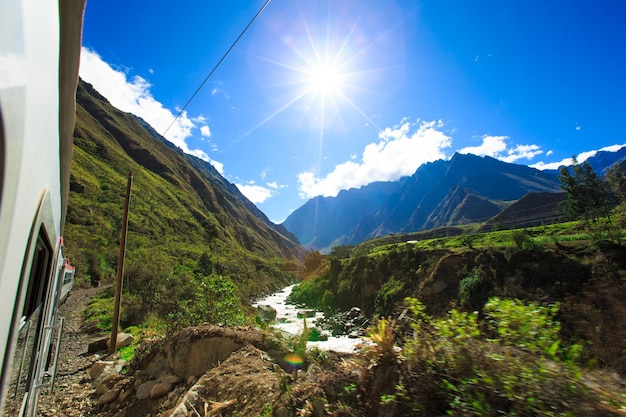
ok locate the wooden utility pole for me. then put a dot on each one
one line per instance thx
(120, 268)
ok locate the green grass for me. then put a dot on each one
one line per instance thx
(547, 235)
(99, 311)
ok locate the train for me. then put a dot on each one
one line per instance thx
(40, 43)
(67, 274)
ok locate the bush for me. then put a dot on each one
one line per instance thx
(382, 334)
(312, 293)
(522, 240)
(390, 294)
(215, 301)
(474, 289)
(514, 367)
(530, 327)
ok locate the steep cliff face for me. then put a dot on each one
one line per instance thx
(181, 207)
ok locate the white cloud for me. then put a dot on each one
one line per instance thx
(496, 147)
(552, 165)
(205, 131)
(400, 151)
(581, 157)
(219, 167)
(491, 146)
(134, 96)
(549, 153)
(257, 193)
(521, 152)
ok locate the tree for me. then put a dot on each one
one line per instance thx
(617, 181)
(587, 197)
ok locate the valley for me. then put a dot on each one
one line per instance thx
(472, 290)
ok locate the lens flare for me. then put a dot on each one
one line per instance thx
(294, 360)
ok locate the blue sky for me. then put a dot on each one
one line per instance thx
(324, 95)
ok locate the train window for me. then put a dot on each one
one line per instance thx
(39, 275)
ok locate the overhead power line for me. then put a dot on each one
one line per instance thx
(216, 66)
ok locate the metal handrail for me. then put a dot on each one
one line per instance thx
(56, 356)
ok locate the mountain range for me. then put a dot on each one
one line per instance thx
(184, 201)
(465, 189)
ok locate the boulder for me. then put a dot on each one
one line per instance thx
(97, 345)
(99, 367)
(170, 379)
(161, 389)
(109, 396)
(141, 376)
(125, 394)
(144, 390)
(123, 339)
(344, 323)
(106, 383)
(267, 313)
(197, 356)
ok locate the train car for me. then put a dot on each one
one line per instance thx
(40, 45)
(68, 273)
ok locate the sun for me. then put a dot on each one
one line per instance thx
(325, 78)
(324, 72)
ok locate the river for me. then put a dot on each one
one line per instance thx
(288, 321)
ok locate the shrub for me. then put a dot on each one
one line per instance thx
(390, 293)
(474, 289)
(515, 366)
(382, 334)
(530, 327)
(522, 240)
(215, 301)
(310, 293)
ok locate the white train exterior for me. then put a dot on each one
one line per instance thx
(39, 56)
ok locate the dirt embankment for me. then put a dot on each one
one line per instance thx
(201, 371)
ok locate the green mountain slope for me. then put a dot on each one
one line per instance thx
(183, 214)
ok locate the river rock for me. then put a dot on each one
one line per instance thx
(306, 313)
(345, 323)
(267, 313)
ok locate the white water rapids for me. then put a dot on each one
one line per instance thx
(288, 321)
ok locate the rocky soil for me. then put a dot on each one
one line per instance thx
(71, 395)
(202, 371)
